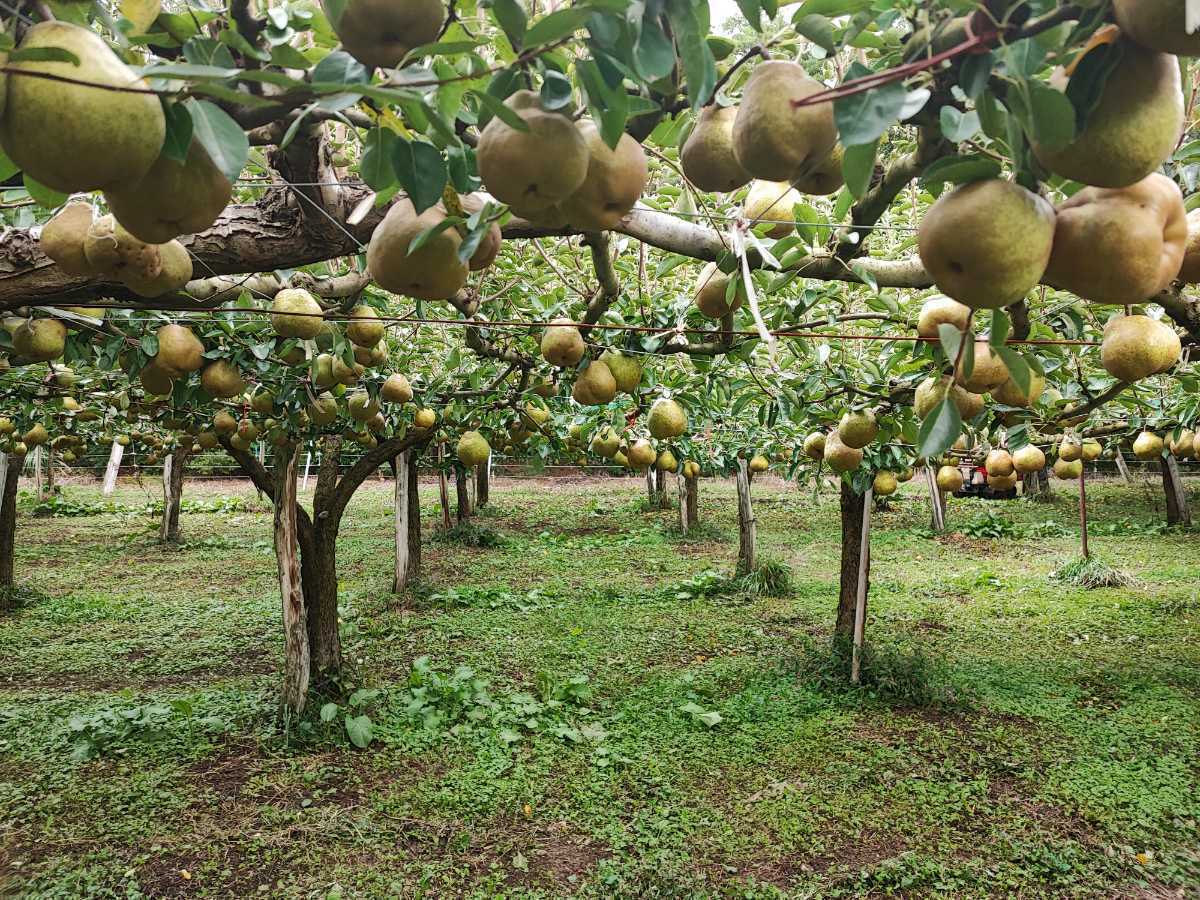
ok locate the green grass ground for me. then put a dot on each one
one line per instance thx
(581, 705)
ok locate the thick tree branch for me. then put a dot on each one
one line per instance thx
(606, 275)
(1082, 409)
(261, 478)
(353, 477)
(1185, 311)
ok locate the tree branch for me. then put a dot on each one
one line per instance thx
(1082, 409)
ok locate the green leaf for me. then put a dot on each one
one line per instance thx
(549, 29)
(1018, 368)
(957, 125)
(698, 64)
(556, 90)
(858, 165)
(359, 729)
(421, 171)
(221, 136)
(940, 429)
(8, 168)
(179, 132)
(44, 196)
(1051, 115)
(511, 17)
(653, 55)
(975, 72)
(863, 117)
(817, 29)
(950, 339)
(339, 67)
(959, 170)
(833, 8)
(375, 167)
(328, 711)
(1086, 84)
(752, 11)
(1001, 326)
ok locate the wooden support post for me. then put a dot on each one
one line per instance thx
(1083, 535)
(39, 454)
(747, 533)
(681, 492)
(8, 515)
(297, 663)
(49, 451)
(693, 502)
(650, 486)
(860, 603)
(1122, 466)
(443, 490)
(936, 501)
(174, 464)
(403, 516)
(1178, 512)
(113, 469)
(483, 478)
(307, 463)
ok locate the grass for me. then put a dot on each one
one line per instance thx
(1091, 573)
(589, 706)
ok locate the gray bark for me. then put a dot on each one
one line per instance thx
(747, 531)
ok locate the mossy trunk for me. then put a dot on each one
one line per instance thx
(852, 562)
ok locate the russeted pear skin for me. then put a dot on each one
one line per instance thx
(433, 271)
(1070, 450)
(838, 456)
(1136, 347)
(987, 243)
(396, 389)
(72, 137)
(381, 32)
(988, 373)
(825, 178)
(473, 449)
(1029, 459)
(533, 169)
(932, 391)
(1189, 272)
(1134, 126)
(667, 419)
(595, 385)
(63, 236)
(1157, 25)
(774, 202)
(1010, 393)
(365, 327)
(112, 252)
(1148, 445)
(1067, 469)
(857, 428)
(772, 138)
(939, 310)
(999, 462)
(885, 483)
(626, 370)
(173, 198)
(1119, 245)
(614, 182)
(40, 340)
(949, 479)
(562, 344)
(174, 271)
(179, 350)
(707, 155)
(814, 445)
(221, 378)
(295, 313)
(712, 292)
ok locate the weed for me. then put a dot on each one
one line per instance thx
(1091, 573)
(896, 674)
(770, 577)
(111, 729)
(990, 524)
(469, 533)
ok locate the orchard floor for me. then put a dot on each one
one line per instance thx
(628, 725)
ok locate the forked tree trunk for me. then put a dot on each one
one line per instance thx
(747, 532)
(8, 516)
(113, 469)
(483, 478)
(462, 494)
(693, 502)
(1178, 512)
(173, 468)
(296, 664)
(853, 564)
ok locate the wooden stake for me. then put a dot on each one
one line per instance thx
(860, 605)
(747, 533)
(681, 491)
(443, 490)
(401, 520)
(307, 463)
(38, 453)
(1122, 466)
(1083, 535)
(938, 522)
(113, 469)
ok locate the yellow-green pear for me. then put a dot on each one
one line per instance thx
(641, 454)
(939, 310)
(172, 198)
(988, 373)
(295, 313)
(774, 202)
(431, 272)
(221, 379)
(775, 139)
(1136, 347)
(712, 293)
(1157, 25)
(365, 327)
(174, 272)
(1068, 469)
(625, 369)
(885, 483)
(1010, 393)
(595, 385)
(839, 457)
(614, 182)
(707, 155)
(666, 462)
(381, 33)
(667, 419)
(396, 389)
(1029, 459)
(562, 344)
(949, 479)
(63, 236)
(999, 462)
(857, 428)
(1148, 445)
(179, 350)
(814, 445)
(40, 340)
(473, 449)
(758, 464)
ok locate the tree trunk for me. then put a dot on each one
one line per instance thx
(860, 587)
(8, 516)
(483, 478)
(681, 490)
(462, 495)
(937, 503)
(747, 532)
(414, 517)
(693, 502)
(114, 468)
(1083, 535)
(407, 516)
(318, 570)
(173, 468)
(852, 563)
(296, 665)
(443, 490)
(660, 490)
(1178, 512)
(1036, 486)
(39, 454)
(651, 487)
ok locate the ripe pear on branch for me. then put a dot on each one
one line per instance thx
(1157, 25)
(666, 420)
(1119, 245)
(712, 293)
(614, 182)
(63, 236)
(940, 310)
(773, 138)
(595, 385)
(381, 33)
(774, 202)
(1136, 347)
(562, 344)
(295, 313)
(707, 156)
(431, 272)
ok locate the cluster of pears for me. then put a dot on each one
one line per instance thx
(612, 372)
(104, 248)
(842, 447)
(558, 172)
(1123, 237)
(1182, 443)
(436, 269)
(181, 353)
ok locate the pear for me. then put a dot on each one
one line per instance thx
(605, 443)
(839, 457)
(113, 252)
(1070, 450)
(535, 169)
(346, 374)
(173, 198)
(999, 462)
(691, 470)
(1119, 245)
(1134, 125)
(885, 483)
(621, 459)
(1182, 445)
(1136, 347)
(262, 401)
(174, 272)
(939, 310)
(857, 428)
(1002, 482)
(322, 375)
(1010, 394)
(380, 33)
(424, 418)
(157, 380)
(562, 344)
(987, 243)
(949, 479)
(772, 201)
(73, 137)
(712, 293)
(641, 454)
(932, 391)
(666, 462)
(707, 155)
(758, 464)
(1068, 469)
(295, 313)
(323, 409)
(1029, 459)
(489, 245)
(36, 435)
(40, 340)
(1157, 25)
(365, 328)
(179, 350)
(824, 178)
(814, 445)
(1148, 445)
(625, 369)
(221, 378)
(431, 272)
(361, 406)
(63, 236)
(595, 385)
(534, 415)
(988, 373)
(1091, 450)
(396, 389)
(667, 419)
(224, 423)
(774, 139)
(614, 182)
(1189, 272)
(473, 449)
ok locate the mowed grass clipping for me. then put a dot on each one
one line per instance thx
(579, 701)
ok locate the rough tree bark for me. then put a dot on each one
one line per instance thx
(8, 516)
(651, 486)
(296, 665)
(1036, 486)
(443, 489)
(113, 469)
(462, 496)
(681, 491)
(1178, 512)
(483, 482)
(693, 502)
(747, 530)
(173, 468)
(852, 522)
